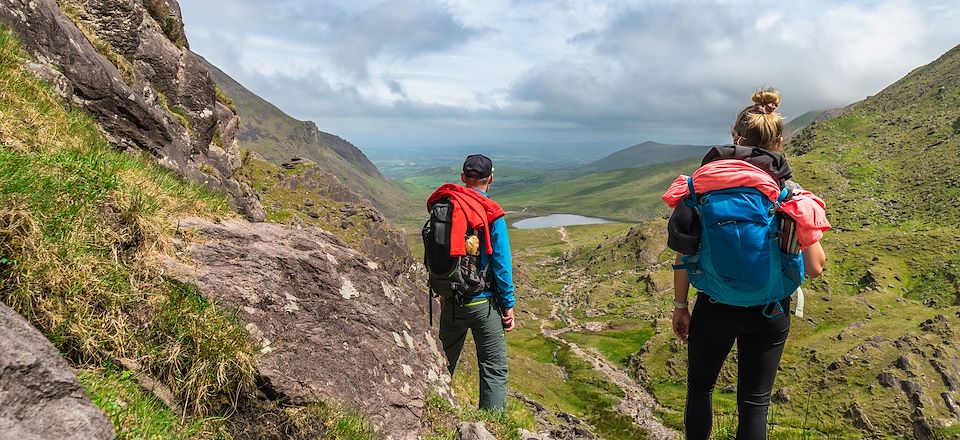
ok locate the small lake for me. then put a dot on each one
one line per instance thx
(555, 220)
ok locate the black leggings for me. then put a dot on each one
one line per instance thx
(760, 341)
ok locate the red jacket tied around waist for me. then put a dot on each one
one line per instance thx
(470, 208)
(805, 208)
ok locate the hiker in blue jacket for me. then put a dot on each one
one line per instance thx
(489, 314)
(760, 331)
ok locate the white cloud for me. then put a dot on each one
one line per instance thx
(496, 70)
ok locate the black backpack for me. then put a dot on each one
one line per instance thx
(455, 278)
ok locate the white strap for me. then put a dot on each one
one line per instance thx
(797, 298)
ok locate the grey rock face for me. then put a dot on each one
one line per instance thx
(40, 398)
(158, 98)
(474, 431)
(331, 326)
(527, 435)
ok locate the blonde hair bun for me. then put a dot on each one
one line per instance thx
(760, 125)
(767, 96)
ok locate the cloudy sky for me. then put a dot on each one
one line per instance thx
(398, 73)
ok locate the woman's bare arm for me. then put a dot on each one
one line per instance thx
(813, 260)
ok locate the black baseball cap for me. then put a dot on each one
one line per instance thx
(477, 166)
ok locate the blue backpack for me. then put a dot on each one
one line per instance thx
(740, 261)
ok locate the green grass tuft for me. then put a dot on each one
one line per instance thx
(225, 99)
(441, 418)
(182, 116)
(331, 422)
(136, 414)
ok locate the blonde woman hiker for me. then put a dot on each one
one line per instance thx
(746, 235)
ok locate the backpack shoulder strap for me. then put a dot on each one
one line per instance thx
(693, 193)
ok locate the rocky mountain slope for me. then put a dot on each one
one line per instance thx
(183, 320)
(301, 193)
(278, 137)
(127, 64)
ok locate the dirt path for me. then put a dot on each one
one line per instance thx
(638, 404)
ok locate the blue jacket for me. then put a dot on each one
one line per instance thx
(502, 263)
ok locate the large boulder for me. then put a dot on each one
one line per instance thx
(331, 325)
(474, 431)
(129, 66)
(40, 397)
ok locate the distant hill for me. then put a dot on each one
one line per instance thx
(794, 125)
(278, 137)
(449, 172)
(398, 163)
(646, 154)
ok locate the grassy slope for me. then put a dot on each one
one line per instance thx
(83, 229)
(280, 137)
(287, 204)
(629, 194)
(543, 370)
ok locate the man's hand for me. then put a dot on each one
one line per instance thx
(508, 322)
(681, 323)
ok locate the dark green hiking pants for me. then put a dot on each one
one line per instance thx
(481, 317)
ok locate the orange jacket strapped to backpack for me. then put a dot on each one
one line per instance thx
(470, 208)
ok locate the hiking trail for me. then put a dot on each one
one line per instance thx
(638, 403)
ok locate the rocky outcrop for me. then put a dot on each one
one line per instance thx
(556, 425)
(40, 397)
(331, 326)
(305, 188)
(474, 431)
(126, 62)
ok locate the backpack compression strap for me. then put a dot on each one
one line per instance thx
(693, 193)
(693, 203)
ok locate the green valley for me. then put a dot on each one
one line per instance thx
(874, 354)
(626, 195)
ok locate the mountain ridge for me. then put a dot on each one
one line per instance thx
(279, 137)
(645, 154)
